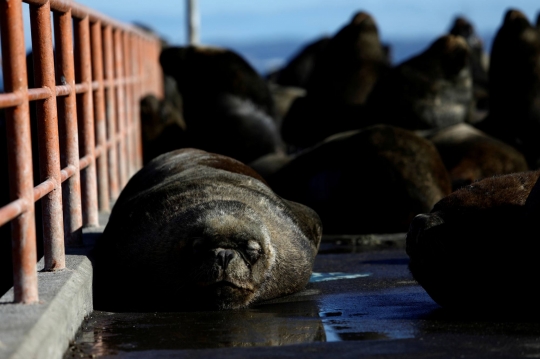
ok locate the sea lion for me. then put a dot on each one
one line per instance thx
(479, 59)
(470, 155)
(344, 75)
(297, 72)
(228, 107)
(194, 229)
(429, 91)
(373, 180)
(162, 122)
(514, 87)
(477, 250)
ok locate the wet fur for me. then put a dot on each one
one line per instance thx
(159, 249)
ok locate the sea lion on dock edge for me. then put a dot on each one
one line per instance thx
(477, 250)
(194, 229)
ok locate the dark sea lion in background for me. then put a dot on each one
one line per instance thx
(284, 96)
(477, 250)
(479, 59)
(366, 181)
(194, 229)
(514, 87)
(342, 79)
(228, 107)
(297, 72)
(162, 122)
(470, 155)
(431, 90)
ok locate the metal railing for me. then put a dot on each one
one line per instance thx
(87, 106)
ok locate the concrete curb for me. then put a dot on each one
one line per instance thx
(44, 330)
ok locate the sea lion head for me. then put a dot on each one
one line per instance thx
(227, 253)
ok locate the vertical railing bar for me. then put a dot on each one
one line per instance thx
(159, 73)
(111, 112)
(48, 142)
(19, 153)
(85, 115)
(99, 113)
(67, 107)
(129, 110)
(136, 101)
(120, 107)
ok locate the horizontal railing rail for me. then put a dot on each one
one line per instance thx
(86, 94)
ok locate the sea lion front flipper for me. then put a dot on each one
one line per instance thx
(308, 222)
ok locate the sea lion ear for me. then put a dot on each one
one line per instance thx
(532, 204)
(309, 223)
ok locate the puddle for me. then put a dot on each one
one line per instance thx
(323, 277)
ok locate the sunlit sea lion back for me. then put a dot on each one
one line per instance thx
(199, 230)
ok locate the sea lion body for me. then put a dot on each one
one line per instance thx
(470, 155)
(429, 91)
(373, 180)
(199, 230)
(514, 87)
(227, 106)
(477, 250)
(342, 79)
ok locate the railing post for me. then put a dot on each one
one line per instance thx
(120, 106)
(68, 124)
(100, 121)
(19, 153)
(47, 124)
(110, 102)
(83, 74)
(128, 73)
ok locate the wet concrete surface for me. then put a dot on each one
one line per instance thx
(362, 302)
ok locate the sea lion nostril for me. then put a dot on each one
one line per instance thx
(224, 257)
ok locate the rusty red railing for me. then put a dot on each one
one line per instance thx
(88, 134)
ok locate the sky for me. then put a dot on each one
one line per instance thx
(263, 20)
(269, 32)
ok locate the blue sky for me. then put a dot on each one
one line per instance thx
(263, 20)
(269, 32)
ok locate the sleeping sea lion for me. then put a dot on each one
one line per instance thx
(477, 250)
(194, 229)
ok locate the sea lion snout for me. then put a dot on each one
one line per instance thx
(224, 256)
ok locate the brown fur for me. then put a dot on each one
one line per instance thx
(431, 90)
(478, 248)
(372, 180)
(342, 79)
(471, 155)
(514, 79)
(194, 229)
